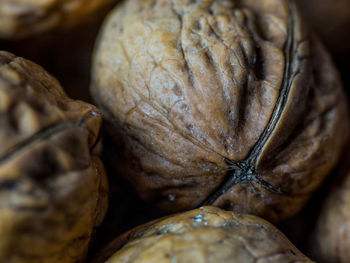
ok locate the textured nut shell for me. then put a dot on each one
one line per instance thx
(52, 189)
(330, 240)
(225, 102)
(19, 18)
(203, 235)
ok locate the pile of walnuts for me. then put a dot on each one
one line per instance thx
(229, 113)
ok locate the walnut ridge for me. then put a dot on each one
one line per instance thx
(53, 189)
(226, 103)
(207, 235)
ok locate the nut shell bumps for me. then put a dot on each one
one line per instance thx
(52, 187)
(203, 235)
(226, 103)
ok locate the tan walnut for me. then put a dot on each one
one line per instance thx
(53, 189)
(207, 235)
(226, 103)
(330, 240)
(22, 18)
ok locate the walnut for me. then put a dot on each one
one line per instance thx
(330, 240)
(52, 188)
(227, 103)
(207, 234)
(22, 18)
(331, 21)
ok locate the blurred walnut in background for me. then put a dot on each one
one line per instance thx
(208, 235)
(64, 51)
(226, 103)
(331, 238)
(331, 21)
(21, 18)
(52, 187)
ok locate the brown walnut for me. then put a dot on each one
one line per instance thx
(52, 187)
(21, 18)
(207, 235)
(330, 240)
(227, 103)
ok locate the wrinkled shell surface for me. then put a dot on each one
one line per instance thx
(226, 103)
(331, 238)
(52, 189)
(19, 18)
(208, 235)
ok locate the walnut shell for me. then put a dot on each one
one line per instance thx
(226, 103)
(330, 240)
(208, 235)
(22, 18)
(52, 188)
